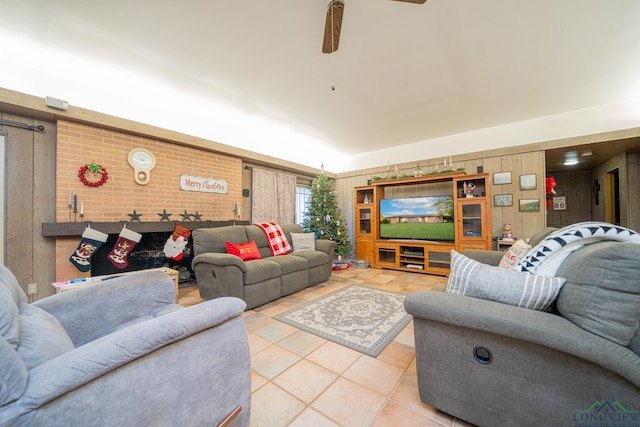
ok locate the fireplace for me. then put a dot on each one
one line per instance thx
(148, 253)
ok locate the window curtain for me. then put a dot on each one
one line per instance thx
(274, 197)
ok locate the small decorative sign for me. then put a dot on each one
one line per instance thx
(559, 204)
(205, 185)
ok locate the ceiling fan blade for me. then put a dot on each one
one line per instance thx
(332, 26)
(413, 1)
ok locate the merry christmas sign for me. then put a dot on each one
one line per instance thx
(205, 185)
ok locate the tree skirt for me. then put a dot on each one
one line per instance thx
(361, 318)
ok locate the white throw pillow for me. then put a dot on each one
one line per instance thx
(474, 279)
(303, 242)
(514, 254)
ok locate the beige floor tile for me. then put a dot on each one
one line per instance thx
(407, 395)
(272, 361)
(349, 404)
(275, 331)
(412, 366)
(271, 406)
(305, 380)
(302, 343)
(292, 300)
(334, 357)
(257, 381)
(397, 354)
(406, 337)
(394, 415)
(312, 418)
(374, 375)
(256, 321)
(257, 343)
(274, 310)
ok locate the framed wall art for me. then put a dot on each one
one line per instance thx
(528, 182)
(502, 200)
(529, 205)
(502, 178)
(559, 203)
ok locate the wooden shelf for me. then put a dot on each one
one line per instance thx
(58, 229)
(419, 180)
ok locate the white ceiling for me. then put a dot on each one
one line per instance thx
(250, 73)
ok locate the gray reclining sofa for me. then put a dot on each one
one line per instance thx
(257, 281)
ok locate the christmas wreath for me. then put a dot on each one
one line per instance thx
(92, 168)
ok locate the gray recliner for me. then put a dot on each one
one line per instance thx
(121, 353)
(494, 364)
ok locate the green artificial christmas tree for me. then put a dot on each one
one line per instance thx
(323, 218)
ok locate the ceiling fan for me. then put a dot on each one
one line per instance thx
(333, 24)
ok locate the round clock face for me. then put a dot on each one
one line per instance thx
(142, 159)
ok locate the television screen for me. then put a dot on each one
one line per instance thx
(417, 218)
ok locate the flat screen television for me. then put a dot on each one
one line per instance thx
(417, 218)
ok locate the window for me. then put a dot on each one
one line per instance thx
(303, 196)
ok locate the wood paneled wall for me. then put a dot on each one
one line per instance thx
(31, 180)
(524, 224)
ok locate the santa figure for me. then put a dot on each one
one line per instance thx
(176, 243)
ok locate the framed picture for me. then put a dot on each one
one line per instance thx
(528, 182)
(529, 205)
(559, 203)
(502, 178)
(501, 200)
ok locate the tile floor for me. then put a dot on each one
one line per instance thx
(299, 379)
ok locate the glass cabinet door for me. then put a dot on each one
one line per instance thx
(364, 221)
(472, 224)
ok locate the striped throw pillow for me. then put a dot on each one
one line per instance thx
(471, 278)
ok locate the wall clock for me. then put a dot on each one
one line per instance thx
(142, 161)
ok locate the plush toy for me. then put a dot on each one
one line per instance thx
(551, 185)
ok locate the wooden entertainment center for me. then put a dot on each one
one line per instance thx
(471, 217)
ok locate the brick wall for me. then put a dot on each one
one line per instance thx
(79, 144)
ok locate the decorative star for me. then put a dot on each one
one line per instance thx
(186, 216)
(197, 216)
(135, 216)
(164, 216)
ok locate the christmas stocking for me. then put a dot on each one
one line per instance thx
(174, 248)
(90, 242)
(127, 240)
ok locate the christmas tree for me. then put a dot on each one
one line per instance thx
(323, 218)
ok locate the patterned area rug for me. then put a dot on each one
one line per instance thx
(361, 318)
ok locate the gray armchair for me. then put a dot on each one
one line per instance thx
(121, 353)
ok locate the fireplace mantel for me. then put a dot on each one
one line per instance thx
(60, 229)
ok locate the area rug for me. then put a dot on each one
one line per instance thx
(361, 318)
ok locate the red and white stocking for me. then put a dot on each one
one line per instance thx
(127, 240)
(176, 243)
